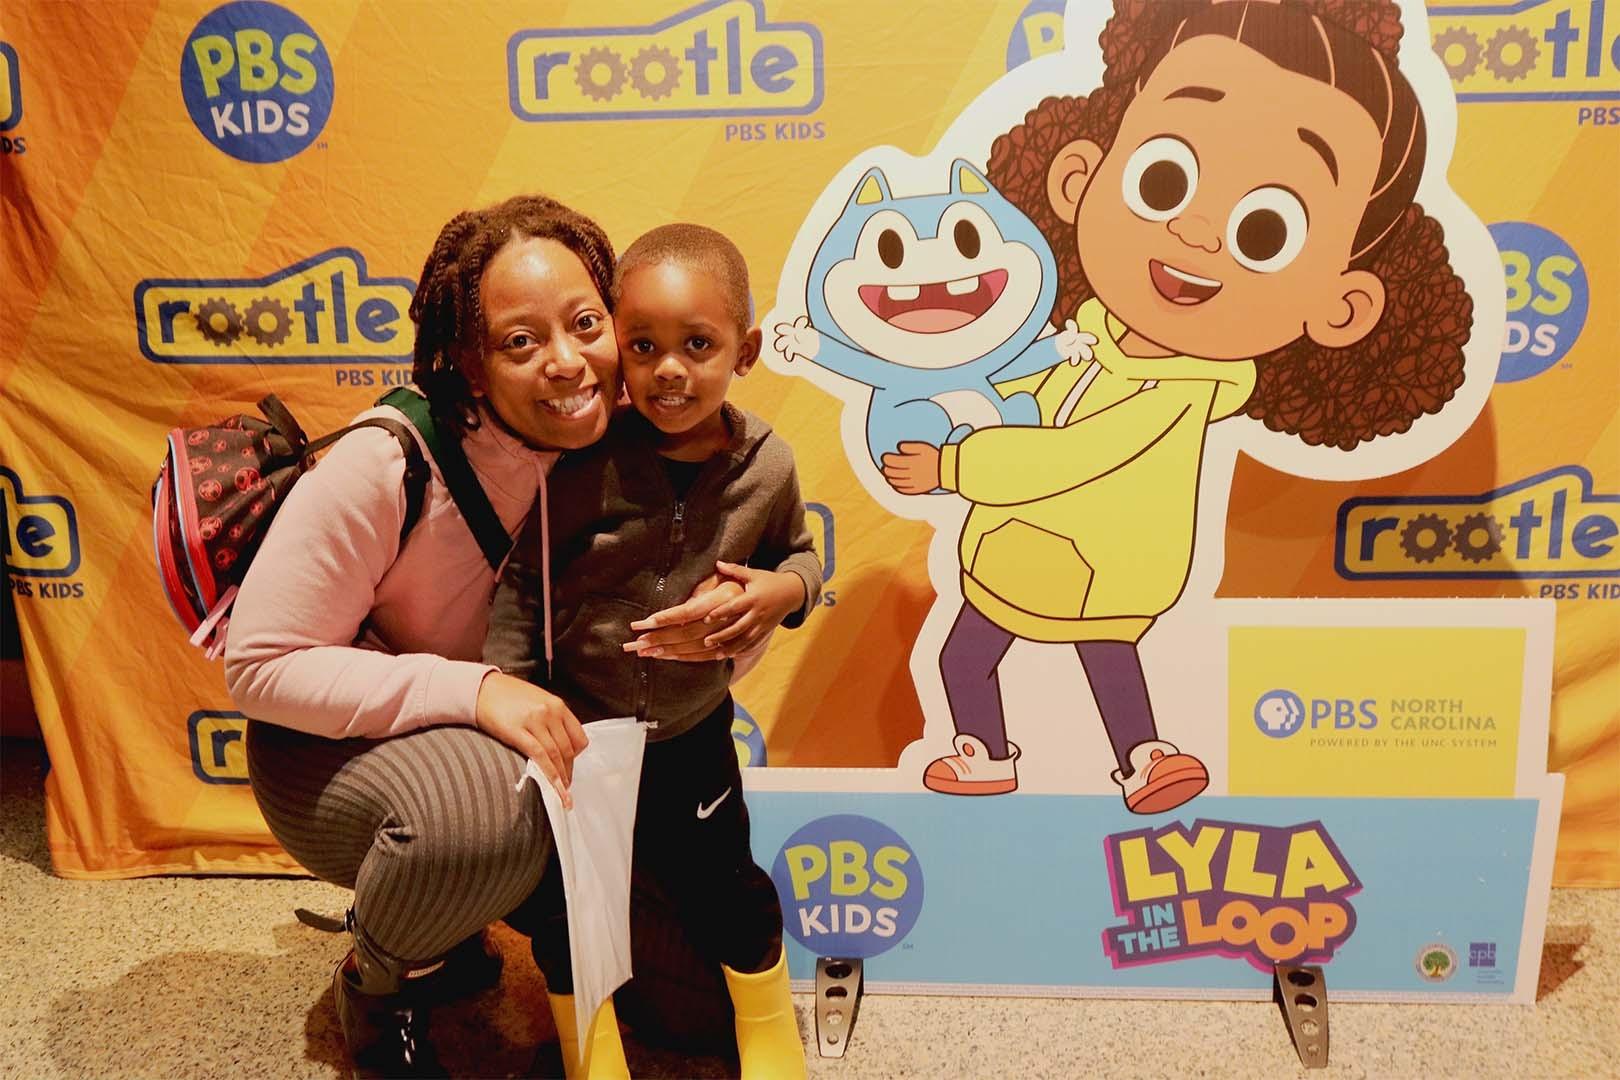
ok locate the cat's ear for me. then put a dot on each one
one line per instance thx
(966, 180)
(873, 188)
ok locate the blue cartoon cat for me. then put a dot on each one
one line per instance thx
(926, 299)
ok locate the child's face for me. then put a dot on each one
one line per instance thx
(679, 347)
(550, 366)
(1221, 221)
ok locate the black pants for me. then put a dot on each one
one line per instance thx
(692, 838)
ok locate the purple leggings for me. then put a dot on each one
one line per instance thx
(974, 650)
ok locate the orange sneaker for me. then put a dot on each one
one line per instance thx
(972, 771)
(1162, 778)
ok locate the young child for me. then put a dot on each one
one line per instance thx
(683, 486)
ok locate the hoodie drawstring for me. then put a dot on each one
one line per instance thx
(545, 568)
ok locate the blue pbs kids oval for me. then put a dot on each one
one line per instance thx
(256, 80)
(1547, 298)
(850, 886)
(747, 737)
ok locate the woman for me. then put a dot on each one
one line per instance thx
(383, 755)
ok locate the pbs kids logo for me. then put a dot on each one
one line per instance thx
(850, 886)
(257, 81)
(1038, 31)
(1547, 298)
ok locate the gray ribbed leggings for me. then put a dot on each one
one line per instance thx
(427, 827)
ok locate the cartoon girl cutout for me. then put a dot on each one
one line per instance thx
(1233, 217)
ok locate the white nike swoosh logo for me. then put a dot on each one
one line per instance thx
(704, 811)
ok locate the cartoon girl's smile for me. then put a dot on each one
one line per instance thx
(1179, 286)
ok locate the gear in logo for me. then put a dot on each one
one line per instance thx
(1479, 536)
(218, 321)
(585, 74)
(669, 72)
(1529, 52)
(276, 311)
(1426, 538)
(1459, 37)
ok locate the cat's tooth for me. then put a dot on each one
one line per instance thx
(904, 292)
(963, 286)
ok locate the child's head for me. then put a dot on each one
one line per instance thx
(1242, 185)
(680, 297)
(514, 308)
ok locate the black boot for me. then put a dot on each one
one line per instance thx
(467, 969)
(384, 1026)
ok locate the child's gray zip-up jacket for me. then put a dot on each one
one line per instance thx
(624, 546)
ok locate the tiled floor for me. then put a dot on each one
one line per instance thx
(212, 977)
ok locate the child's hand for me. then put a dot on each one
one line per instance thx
(914, 470)
(677, 633)
(769, 596)
(535, 724)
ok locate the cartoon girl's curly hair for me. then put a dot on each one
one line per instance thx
(1412, 362)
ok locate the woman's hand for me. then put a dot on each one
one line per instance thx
(677, 632)
(535, 724)
(914, 469)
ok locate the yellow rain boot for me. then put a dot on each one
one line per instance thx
(603, 1056)
(767, 1031)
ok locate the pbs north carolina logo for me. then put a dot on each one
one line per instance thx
(850, 886)
(257, 81)
(1279, 713)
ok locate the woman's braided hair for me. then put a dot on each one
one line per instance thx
(447, 308)
(1412, 362)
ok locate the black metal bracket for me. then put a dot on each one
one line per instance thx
(1301, 992)
(838, 997)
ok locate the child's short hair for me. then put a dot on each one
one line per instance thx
(696, 246)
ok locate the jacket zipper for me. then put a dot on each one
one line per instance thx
(677, 532)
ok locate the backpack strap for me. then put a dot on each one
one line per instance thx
(458, 475)
(416, 467)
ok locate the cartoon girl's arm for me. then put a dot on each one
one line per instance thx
(799, 340)
(1006, 466)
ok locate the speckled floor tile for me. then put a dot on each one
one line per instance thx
(212, 977)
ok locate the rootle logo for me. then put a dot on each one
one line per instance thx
(722, 58)
(41, 538)
(256, 80)
(10, 88)
(1551, 525)
(1530, 50)
(850, 886)
(323, 310)
(1269, 895)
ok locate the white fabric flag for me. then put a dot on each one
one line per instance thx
(594, 843)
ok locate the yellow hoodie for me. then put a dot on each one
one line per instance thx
(1082, 528)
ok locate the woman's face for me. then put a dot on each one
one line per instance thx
(1221, 221)
(550, 365)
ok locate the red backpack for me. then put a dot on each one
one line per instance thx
(219, 487)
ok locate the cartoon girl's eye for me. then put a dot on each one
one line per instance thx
(967, 239)
(1160, 178)
(1267, 229)
(891, 249)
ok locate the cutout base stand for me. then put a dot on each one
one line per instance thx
(1301, 992)
(838, 998)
